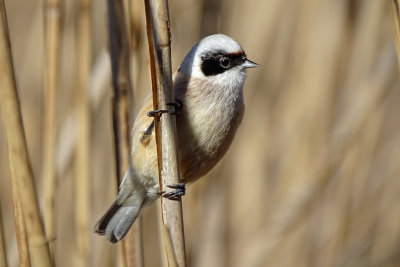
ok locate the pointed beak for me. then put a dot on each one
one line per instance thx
(249, 64)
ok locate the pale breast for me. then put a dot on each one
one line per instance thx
(206, 126)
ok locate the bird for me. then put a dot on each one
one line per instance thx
(208, 89)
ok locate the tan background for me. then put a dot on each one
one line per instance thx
(312, 178)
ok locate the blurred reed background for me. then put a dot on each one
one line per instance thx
(312, 178)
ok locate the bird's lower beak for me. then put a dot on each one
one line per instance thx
(249, 64)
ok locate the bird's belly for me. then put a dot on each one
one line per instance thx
(203, 140)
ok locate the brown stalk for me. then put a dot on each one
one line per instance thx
(169, 250)
(396, 21)
(20, 230)
(3, 252)
(135, 22)
(120, 65)
(20, 166)
(52, 44)
(158, 34)
(81, 182)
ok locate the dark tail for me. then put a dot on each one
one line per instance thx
(116, 222)
(101, 225)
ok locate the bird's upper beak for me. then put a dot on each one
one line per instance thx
(249, 64)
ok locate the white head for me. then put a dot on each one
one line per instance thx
(218, 59)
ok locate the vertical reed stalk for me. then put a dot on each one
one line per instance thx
(3, 252)
(20, 166)
(52, 44)
(122, 91)
(82, 210)
(396, 21)
(20, 230)
(158, 34)
(135, 22)
(119, 51)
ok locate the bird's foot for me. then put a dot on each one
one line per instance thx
(176, 194)
(157, 112)
(178, 107)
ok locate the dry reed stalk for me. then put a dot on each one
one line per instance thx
(99, 84)
(81, 182)
(396, 21)
(20, 231)
(135, 22)
(3, 252)
(136, 31)
(21, 171)
(166, 235)
(351, 129)
(52, 47)
(119, 52)
(132, 251)
(158, 34)
(210, 17)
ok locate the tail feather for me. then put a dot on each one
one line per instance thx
(120, 224)
(119, 218)
(131, 199)
(101, 225)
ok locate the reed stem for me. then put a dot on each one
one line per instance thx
(396, 22)
(52, 47)
(132, 251)
(82, 162)
(158, 34)
(3, 252)
(20, 230)
(20, 166)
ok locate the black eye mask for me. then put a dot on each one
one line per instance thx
(217, 63)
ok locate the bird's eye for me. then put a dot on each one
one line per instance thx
(224, 62)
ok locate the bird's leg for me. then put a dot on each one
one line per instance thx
(146, 137)
(176, 194)
(178, 107)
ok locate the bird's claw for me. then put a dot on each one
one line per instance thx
(158, 112)
(176, 194)
(178, 107)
